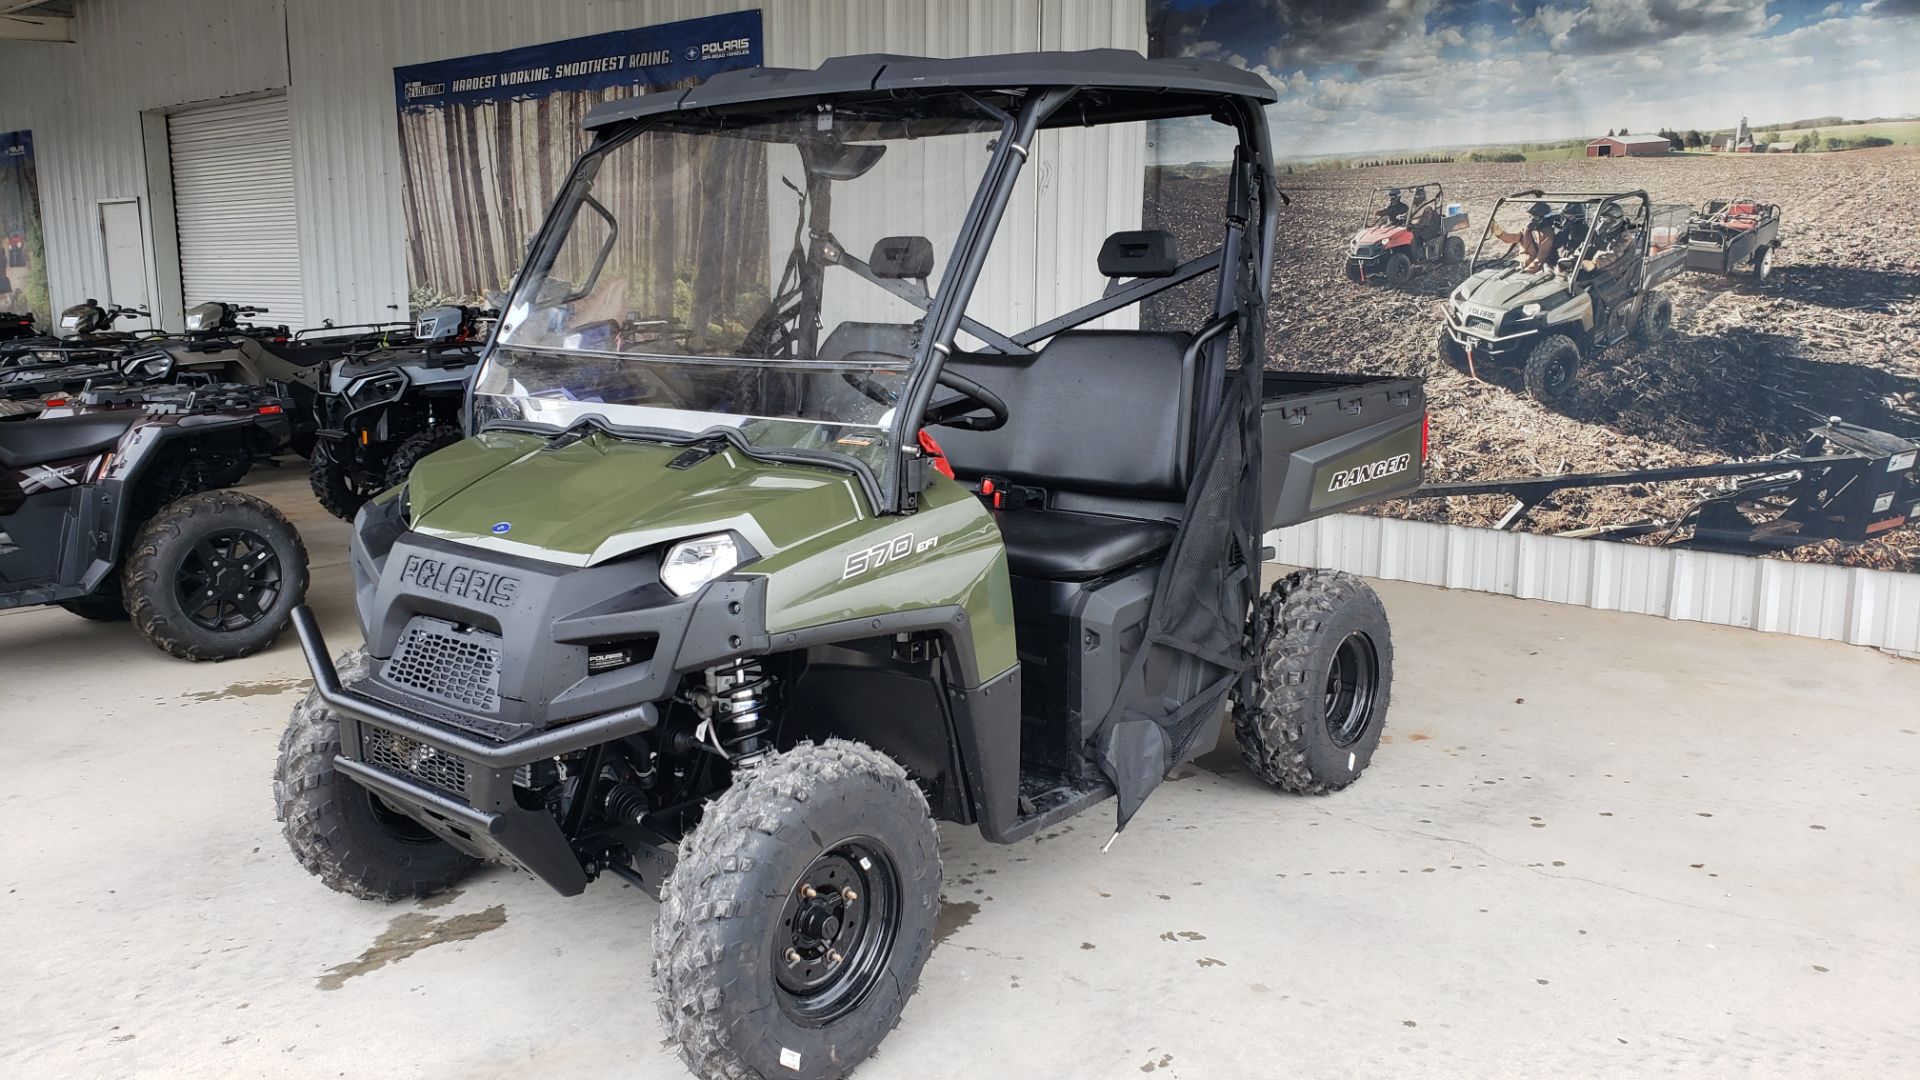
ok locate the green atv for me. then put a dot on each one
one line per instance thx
(763, 553)
(1597, 287)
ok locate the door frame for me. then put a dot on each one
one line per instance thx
(146, 248)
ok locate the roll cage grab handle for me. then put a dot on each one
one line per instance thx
(1251, 179)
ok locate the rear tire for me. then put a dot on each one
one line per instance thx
(742, 989)
(341, 832)
(1399, 269)
(1553, 369)
(1325, 658)
(416, 446)
(1656, 318)
(237, 557)
(1455, 249)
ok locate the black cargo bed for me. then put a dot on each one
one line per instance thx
(1337, 442)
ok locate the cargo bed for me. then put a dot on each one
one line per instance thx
(1335, 442)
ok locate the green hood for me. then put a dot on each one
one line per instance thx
(602, 497)
(1507, 288)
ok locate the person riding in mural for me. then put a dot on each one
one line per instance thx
(1536, 239)
(1570, 232)
(1425, 218)
(1613, 237)
(1395, 212)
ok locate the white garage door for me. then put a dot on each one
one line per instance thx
(233, 200)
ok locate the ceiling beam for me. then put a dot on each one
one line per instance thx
(36, 28)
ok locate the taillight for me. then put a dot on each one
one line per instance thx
(1426, 433)
(55, 402)
(271, 410)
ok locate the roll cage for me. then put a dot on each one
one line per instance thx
(1027, 93)
(1637, 206)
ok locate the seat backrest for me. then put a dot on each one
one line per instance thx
(1100, 411)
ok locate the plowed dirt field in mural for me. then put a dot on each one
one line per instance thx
(1748, 368)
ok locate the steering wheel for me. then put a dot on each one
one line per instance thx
(865, 383)
(972, 397)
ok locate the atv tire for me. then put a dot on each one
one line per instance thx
(237, 554)
(1763, 264)
(343, 833)
(333, 485)
(1325, 660)
(1454, 250)
(1450, 351)
(1553, 369)
(416, 446)
(104, 604)
(1399, 269)
(1656, 318)
(1354, 273)
(743, 988)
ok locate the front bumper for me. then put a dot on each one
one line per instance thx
(459, 786)
(1484, 340)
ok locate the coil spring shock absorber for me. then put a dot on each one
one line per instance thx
(740, 694)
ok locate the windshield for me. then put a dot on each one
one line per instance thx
(766, 276)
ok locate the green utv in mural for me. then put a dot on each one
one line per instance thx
(758, 561)
(1559, 276)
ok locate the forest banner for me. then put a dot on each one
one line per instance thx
(1670, 240)
(23, 261)
(486, 141)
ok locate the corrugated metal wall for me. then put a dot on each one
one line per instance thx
(336, 59)
(1865, 607)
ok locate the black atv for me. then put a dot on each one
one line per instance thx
(110, 506)
(221, 345)
(384, 410)
(14, 325)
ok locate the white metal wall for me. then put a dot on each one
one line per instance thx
(336, 60)
(1864, 607)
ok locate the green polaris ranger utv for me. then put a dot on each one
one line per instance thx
(766, 549)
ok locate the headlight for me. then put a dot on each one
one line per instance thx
(1530, 311)
(692, 563)
(373, 389)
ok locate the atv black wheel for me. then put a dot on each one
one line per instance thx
(224, 470)
(340, 488)
(1553, 369)
(1454, 250)
(1451, 352)
(215, 576)
(105, 604)
(1325, 670)
(303, 442)
(795, 924)
(1656, 318)
(1399, 269)
(416, 446)
(341, 832)
(1763, 264)
(1354, 272)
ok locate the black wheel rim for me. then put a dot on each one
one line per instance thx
(1353, 681)
(836, 931)
(228, 581)
(1559, 374)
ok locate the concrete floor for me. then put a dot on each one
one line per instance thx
(1593, 844)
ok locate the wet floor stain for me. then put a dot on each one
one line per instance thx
(1182, 935)
(1085, 945)
(411, 932)
(1165, 1060)
(954, 914)
(1208, 961)
(440, 900)
(247, 690)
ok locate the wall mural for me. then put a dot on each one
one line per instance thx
(486, 141)
(1657, 260)
(23, 259)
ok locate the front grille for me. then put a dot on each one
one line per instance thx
(440, 660)
(397, 753)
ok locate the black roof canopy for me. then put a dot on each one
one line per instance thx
(1137, 88)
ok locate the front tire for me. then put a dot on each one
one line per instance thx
(1355, 273)
(1399, 269)
(758, 906)
(416, 446)
(1553, 369)
(1325, 671)
(214, 576)
(341, 832)
(337, 486)
(1451, 353)
(1656, 318)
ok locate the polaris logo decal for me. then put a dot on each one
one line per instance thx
(1371, 471)
(887, 551)
(466, 582)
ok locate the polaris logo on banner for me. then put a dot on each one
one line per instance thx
(1371, 471)
(466, 582)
